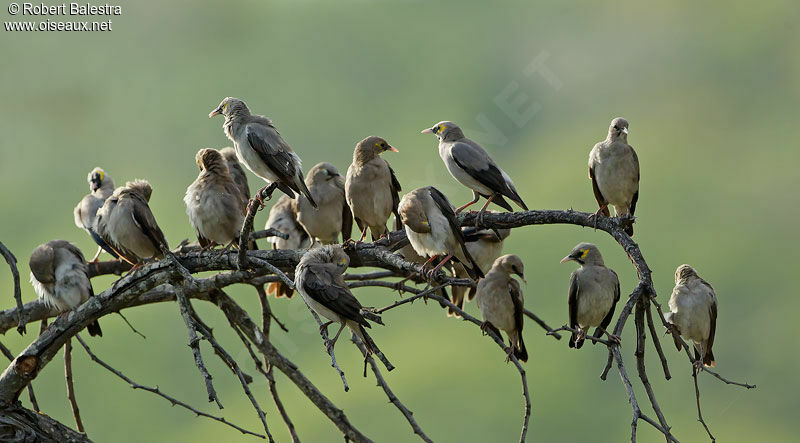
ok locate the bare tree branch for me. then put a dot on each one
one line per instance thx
(12, 263)
(73, 403)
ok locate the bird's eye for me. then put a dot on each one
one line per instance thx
(616, 128)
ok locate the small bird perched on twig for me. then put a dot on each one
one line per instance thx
(499, 297)
(614, 170)
(593, 294)
(59, 276)
(693, 313)
(262, 149)
(332, 216)
(126, 223)
(371, 187)
(318, 278)
(214, 203)
(101, 187)
(469, 163)
(282, 217)
(485, 246)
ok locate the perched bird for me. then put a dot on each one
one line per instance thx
(261, 148)
(593, 294)
(371, 188)
(101, 186)
(693, 313)
(432, 229)
(236, 171)
(614, 170)
(283, 218)
(59, 276)
(469, 163)
(126, 223)
(485, 246)
(332, 216)
(499, 297)
(318, 278)
(214, 203)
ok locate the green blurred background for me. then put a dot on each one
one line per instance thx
(712, 97)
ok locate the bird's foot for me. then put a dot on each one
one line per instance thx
(329, 346)
(614, 339)
(485, 326)
(600, 212)
(323, 328)
(509, 352)
(698, 365)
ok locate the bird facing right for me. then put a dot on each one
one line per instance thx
(614, 170)
(693, 313)
(59, 276)
(499, 297)
(593, 294)
(101, 187)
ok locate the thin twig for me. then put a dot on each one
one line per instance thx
(329, 349)
(135, 331)
(657, 343)
(247, 224)
(12, 263)
(588, 336)
(158, 392)
(31, 396)
(73, 403)
(540, 322)
(699, 411)
(269, 232)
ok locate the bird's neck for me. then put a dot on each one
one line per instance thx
(362, 156)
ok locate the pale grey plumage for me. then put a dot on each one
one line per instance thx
(282, 217)
(371, 187)
(485, 246)
(214, 203)
(593, 293)
(499, 298)
(693, 312)
(332, 215)
(236, 171)
(614, 170)
(101, 186)
(59, 276)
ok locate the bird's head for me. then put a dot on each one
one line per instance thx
(445, 130)
(96, 178)
(41, 263)
(139, 186)
(618, 129)
(511, 264)
(412, 211)
(339, 257)
(584, 253)
(321, 173)
(208, 159)
(230, 106)
(684, 272)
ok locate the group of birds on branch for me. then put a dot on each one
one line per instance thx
(319, 208)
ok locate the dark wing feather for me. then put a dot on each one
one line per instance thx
(601, 201)
(347, 222)
(447, 210)
(572, 303)
(396, 188)
(607, 319)
(332, 295)
(102, 243)
(708, 359)
(483, 169)
(277, 158)
(143, 216)
(519, 318)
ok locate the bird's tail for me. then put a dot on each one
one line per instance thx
(520, 352)
(306, 192)
(279, 290)
(370, 345)
(708, 360)
(458, 300)
(576, 341)
(94, 329)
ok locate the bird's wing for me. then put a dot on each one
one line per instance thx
(601, 201)
(321, 285)
(347, 221)
(572, 299)
(447, 210)
(396, 188)
(79, 216)
(273, 150)
(711, 333)
(636, 194)
(607, 319)
(143, 217)
(476, 162)
(71, 248)
(516, 297)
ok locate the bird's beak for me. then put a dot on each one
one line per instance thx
(625, 130)
(427, 131)
(214, 113)
(523, 279)
(566, 259)
(392, 148)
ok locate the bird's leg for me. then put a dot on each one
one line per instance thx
(363, 234)
(612, 338)
(226, 249)
(264, 193)
(509, 351)
(430, 260)
(329, 345)
(475, 198)
(133, 268)
(487, 326)
(479, 218)
(324, 327)
(600, 211)
(432, 272)
(96, 256)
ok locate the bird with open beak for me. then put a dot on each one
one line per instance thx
(593, 294)
(432, 229)
(693, 313)
(283, 218)
(614, 170)
(499, 298)
(214, 204)
(262, 149)
(101, 186)
(60, 278)
(332, 215)
(469, 163)
(127, 224)
(319, 279)
(371, 187)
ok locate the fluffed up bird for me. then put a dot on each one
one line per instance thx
(593, 294)
(214, 203)
(469, 163)
(499, 297)
(318, 278)
(432, 229)
(283, 218)
(101, 186)
(693, 313)
(614, 170)
(332, 214)
(261, 148)
(126, 223)
(371, 187)
(236, 171)
(59, 276)
(485, 246)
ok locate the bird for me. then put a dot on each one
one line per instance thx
(693, 313)
(371, 187)
(236, 171)
(614, 170)
(59, 276)
(283, 218)
(128, 226)
(485, 246)
(262, 149)
(318, 278)
(471, 166)
(214, 203)
(101, 186)
(593, 294)
(499, 298)
(332, 216)
(432, 229)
